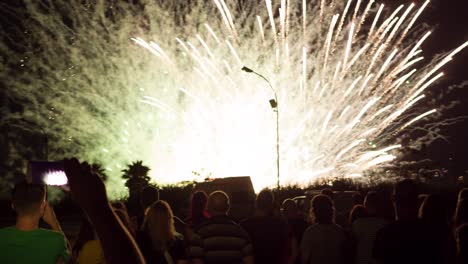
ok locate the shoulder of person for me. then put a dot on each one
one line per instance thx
(386, 230)
(7, 229)
(337, 227)
(221, 219)
(248, 222)
(50, 233)
(91, 244)
(281, 220)
(7, 232)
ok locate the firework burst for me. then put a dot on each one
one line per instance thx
(349, 80)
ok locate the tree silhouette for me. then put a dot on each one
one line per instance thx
(136, 172)
(100, 170)
(137, 178)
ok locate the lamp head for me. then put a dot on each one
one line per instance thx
(246, 69)
(273, 103)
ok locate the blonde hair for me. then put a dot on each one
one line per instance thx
(159, 225)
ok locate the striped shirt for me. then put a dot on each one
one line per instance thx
(220, 240)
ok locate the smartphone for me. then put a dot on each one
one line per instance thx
(51, 173)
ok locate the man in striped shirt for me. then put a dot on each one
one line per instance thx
(220, 239)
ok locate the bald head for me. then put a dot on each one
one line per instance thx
(218, 203)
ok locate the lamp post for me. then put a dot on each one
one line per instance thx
(274, 106)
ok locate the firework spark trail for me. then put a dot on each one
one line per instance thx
(184, 104)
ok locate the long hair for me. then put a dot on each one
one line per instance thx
(433, 210)
(461, 213)
(125, 219)
(198, 212)
(85, 234)
(159, 225)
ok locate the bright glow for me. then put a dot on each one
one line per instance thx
(163, 83)
(56, 178)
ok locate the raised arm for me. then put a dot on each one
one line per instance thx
(88, 191)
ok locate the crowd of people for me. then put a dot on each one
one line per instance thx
(421, 231)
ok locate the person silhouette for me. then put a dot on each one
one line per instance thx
(408, 239)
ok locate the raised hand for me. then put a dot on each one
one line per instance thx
(50, 218)
(86, 187)
(88, 190)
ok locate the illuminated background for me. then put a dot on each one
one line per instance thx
(350, 79)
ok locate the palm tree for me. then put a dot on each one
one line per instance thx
(100, 170)
(137, 177)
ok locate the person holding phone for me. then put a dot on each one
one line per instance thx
(89, 192)
(26, 242)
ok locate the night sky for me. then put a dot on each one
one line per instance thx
(449, 19)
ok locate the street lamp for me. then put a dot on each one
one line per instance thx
(274, 106)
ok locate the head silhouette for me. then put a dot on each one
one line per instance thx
(433, 210)
(328, 192)
(358, 211)
(290, 209)
(371, 203)
(405, 199)
(322, 210)
(357, 198)
(265, 202)
(148, 196)
(218, 203)
(29, 199)
(198, 207)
